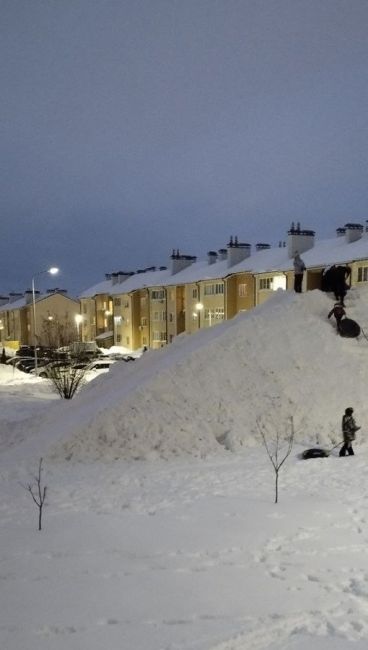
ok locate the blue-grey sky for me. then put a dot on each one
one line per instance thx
(131, 127)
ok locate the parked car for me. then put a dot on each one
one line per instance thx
(46, 370)
(21, 363)
(25, 351)
(100, 364)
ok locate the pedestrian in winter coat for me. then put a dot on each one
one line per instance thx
(340, 278)
(299, 268)
(339, 312)
(349, 429)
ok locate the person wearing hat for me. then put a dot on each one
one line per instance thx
(349, 429)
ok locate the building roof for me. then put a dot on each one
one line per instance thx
(324, 253)
(23, 302)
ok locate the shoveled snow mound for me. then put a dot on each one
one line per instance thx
(207, 391)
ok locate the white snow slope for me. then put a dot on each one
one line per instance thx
(161, 531)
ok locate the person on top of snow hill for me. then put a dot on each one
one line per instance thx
(349, 429)
(299, 268)
(340, 278)
(339, 312)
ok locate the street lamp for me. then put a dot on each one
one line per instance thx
(199, 308)
(78, 320)
(53, 271)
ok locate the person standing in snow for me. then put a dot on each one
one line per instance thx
(340, 277)
(299, 268)
(339, 312)
(349, 429)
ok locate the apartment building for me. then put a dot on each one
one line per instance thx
(55, 321)
(152, 306)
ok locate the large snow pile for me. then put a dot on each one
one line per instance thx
(208, 391)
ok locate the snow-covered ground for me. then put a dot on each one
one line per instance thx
(161, 531)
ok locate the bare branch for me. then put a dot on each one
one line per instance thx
(274, 455)
(40, 495)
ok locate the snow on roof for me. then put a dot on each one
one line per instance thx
(23, 302)
(324, 253)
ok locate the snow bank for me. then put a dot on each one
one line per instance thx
(206, 392)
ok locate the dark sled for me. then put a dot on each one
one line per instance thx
(315, 453)
(348, 328)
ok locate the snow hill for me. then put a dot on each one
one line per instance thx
(205, 393)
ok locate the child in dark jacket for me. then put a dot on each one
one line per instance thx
(349, 429)
(339, 312)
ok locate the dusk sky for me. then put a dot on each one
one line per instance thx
(129, 128)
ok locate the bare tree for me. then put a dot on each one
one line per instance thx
(38, 493)
(66, 380)
(278, 448)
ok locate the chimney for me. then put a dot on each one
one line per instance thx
(180, 262)
(263, 247)
(16, 296)
(222, 254)
(299, 240)
(212, 257)
(122, 276)
(353, 232)
(28, 295)
(236, 251)
(57, 290)
(107, 276)
(340, 232)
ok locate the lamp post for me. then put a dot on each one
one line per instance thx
(53, 271)
(78, 320)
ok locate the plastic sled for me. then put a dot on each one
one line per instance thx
(315, 453)
(349, 328)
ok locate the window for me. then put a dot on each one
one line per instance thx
(127, 340)
(213, 289)
(156, 316)
(158, 295)
(144, 321)
(159, 336)
(117, 302)
(363, 274)
(242, 290)
(143, 301)
(171, 317)
(126, 304)
(265, 283)
(118, 338)
(214, 314)
(194, 293)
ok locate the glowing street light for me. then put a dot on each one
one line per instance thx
(53, 271)
(198, 307)
(79, 320)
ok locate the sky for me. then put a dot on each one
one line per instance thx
(129, 128)
(159, 529)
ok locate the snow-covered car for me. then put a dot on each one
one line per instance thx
(99, 364)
